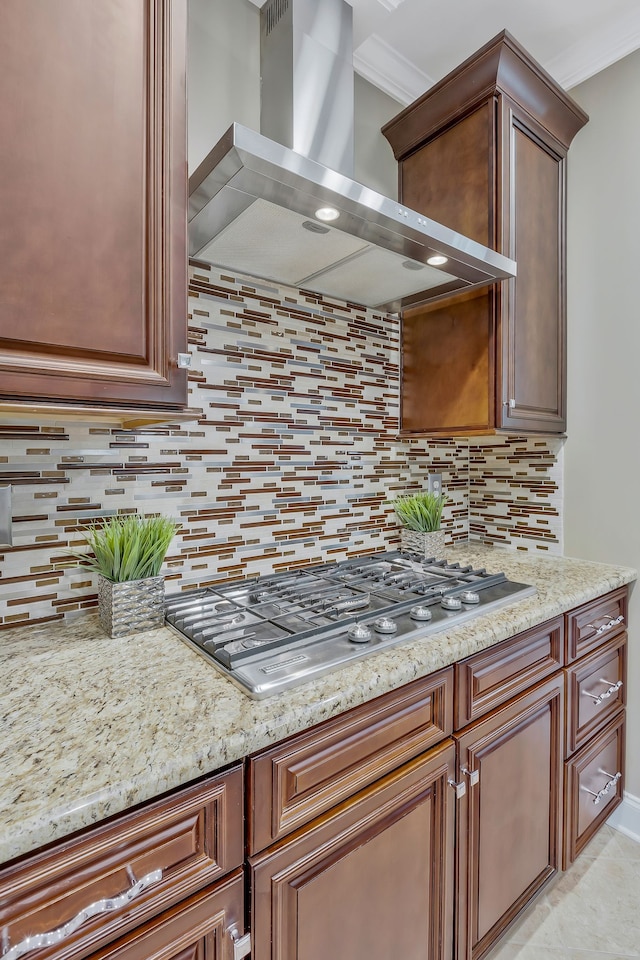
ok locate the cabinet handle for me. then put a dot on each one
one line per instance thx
(183, 361)
(107, 905)
(609, 625)
(474, 776)
(598, 698)
(611, 782)
(241, 945)
(460, 788)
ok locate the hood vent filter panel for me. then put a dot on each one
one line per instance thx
(286, 253)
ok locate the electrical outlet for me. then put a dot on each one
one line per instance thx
(434, 481)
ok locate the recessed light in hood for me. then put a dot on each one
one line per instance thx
(251, 195)
(327, 214)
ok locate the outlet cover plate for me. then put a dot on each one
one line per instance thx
(435, 483)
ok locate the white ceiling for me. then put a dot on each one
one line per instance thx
(404, 46)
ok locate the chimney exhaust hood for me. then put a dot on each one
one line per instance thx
(282, 205)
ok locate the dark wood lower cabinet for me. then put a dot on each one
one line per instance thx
(593, 785)
(371, 880)
(508, 835)
(366, 839)
(200, 928)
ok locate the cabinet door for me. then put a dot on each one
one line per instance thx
(509, 821)
(532, 332)
(200, 928)
(371, 880)
(93, 196)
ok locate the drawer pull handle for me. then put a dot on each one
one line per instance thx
(107, 905)
(609, 625)
(611, 782)
(598, 698)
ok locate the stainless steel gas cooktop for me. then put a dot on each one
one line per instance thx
(270, 633)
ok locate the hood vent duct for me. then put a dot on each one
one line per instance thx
(257, 200)
(272, 13)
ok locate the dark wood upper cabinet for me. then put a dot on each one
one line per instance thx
(484, 152)
(93, 182)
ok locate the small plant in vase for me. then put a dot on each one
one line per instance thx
(420, 515)
(127, 552)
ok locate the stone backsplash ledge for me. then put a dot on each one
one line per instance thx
(294, 461)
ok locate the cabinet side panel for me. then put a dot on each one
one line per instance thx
(449, 179)
(447, 366)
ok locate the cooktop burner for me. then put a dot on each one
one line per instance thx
(270, 633)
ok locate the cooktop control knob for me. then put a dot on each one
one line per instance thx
(469, 596)
(420, 613)
(385, 625)
(451, 603)
(359, 633)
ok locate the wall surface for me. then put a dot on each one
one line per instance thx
(375, 164)
(602, 454)
(224, 71)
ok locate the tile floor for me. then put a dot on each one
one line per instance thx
(592, 912)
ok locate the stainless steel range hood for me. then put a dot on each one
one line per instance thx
(254, 201)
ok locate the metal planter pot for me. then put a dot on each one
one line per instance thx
(428, 545)
(132, 606)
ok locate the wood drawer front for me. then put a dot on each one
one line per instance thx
(199, 928)
(590, 626)
(194, 837)
(299, 779)
(596, 688)
(490, 678)
(590, 770)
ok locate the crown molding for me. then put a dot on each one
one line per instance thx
(382, 65)
(589, 56)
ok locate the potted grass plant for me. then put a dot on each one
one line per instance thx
(127, 552)
(420, 515)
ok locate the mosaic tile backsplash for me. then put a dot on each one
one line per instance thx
(294, 461)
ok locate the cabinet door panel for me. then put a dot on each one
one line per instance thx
(490, 678)
(596, 689)
(369, 881)
(592, 792)
(200, 928)
(533, 330)
(508, 832)
(593, 624)
(93, 194)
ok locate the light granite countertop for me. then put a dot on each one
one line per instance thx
(90, 726)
